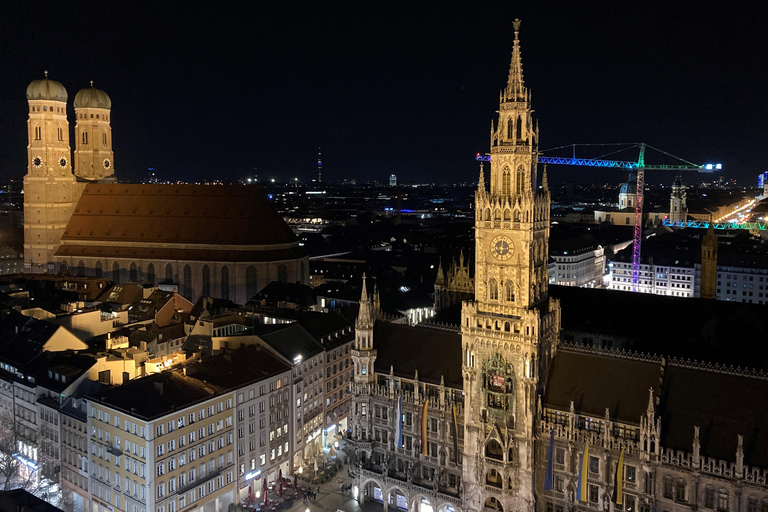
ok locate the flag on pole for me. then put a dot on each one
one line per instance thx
(549, 476)
(424, 427)
(581, 486)
(618, 481)
(455, 435)
(399, 423)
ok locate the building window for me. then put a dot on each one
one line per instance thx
(224, 282)
(168, 273)
(509, 291)
(282, 274)
(187, 281)
(116, 272)
(709, 497)
(151, 273)
(133, 273)
(493, 289)
(38, 133)
(251, 281)
(60, 133)
(506, 182)
(85, 137)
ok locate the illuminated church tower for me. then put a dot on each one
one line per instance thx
(50, 188)
(94, 159)
(510, 330)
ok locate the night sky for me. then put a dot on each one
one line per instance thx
(214, 90)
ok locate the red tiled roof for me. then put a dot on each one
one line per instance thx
(168, 214)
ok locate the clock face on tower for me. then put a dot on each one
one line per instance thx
(502, 247)
(37, 161)
(63, 162)
(107, 163)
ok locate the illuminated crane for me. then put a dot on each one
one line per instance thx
(639, 168)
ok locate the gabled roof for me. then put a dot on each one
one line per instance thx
(175, 214)
(595, 382)
(433, 353)
(293, 341)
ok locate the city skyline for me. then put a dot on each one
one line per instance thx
(222, 95)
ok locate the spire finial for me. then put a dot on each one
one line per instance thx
(46, 74)
(481, 180)
(515, 89)
(516, 25)
(91, 83)
(364, 294)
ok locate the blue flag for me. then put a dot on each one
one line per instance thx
(399, 423)
(549, 476)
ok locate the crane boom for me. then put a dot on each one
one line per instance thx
(639, 167)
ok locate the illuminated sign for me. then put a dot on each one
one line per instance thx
(252, 474)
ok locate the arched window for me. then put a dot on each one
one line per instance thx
(61, 133)
(510, 129)
(251, 283)
(520, 179)
(509, 291)
(151, 273)
(506, 182)
(224, 282)
(488, 214)
(85, 137)
(187, 281)
(38, 133)
(168, 273)
(104, 138)
(81, 268)
(507, 214)
(519, 128)
(206, 281)
(133, 273)
(116, 272)
(282, 274)
(63, 267)
(98, 271)
(493, 289)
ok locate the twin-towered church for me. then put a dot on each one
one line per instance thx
(211, 240)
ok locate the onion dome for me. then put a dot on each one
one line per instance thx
(46, 89)
(90, 97)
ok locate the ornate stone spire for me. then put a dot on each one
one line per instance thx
(440, 278)
(364, 320)
(544, 180)
(481, 182)
(515, 87)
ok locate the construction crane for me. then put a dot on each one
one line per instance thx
(639, 167)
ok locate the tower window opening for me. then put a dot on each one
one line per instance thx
(520, 180)
(61, 134)
(519, 128)
(45, 109)
(509, 293)
(506, 182)
(38, 133)
(85, 137)
(97, 116)
(510, 129)
(104, 138)
(493, 289)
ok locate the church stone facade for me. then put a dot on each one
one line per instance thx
(460, 419)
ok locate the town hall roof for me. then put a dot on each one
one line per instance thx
(187, 222)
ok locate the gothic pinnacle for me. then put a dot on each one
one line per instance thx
(515, 88)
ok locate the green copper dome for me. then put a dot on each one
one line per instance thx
(46, 89)
(91, 97)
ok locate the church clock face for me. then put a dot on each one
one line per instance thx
(63, 162)
(107, 163)
(502, 247)
(37, 161)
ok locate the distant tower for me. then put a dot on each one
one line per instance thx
(628, 192)
(709, 265)
(678, 209)
(94, 159)
(50, 189)
(392, 180)
(319, 166)
(363, 354)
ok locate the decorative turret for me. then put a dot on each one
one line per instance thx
(363, 354)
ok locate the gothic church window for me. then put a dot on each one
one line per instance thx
(38, 133)
(510, 129)
(133, 273)
(224, 282)
(81, 268)
(493, 289)
(506, 184)
(85, 137)
(520, 179)
(116, 272)
(60, 133)
(168, 273)
(187, 281)
(251, 282)
(206, 281)
(151, 273)
(282, 274)
(509, 292)
(519, 128)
